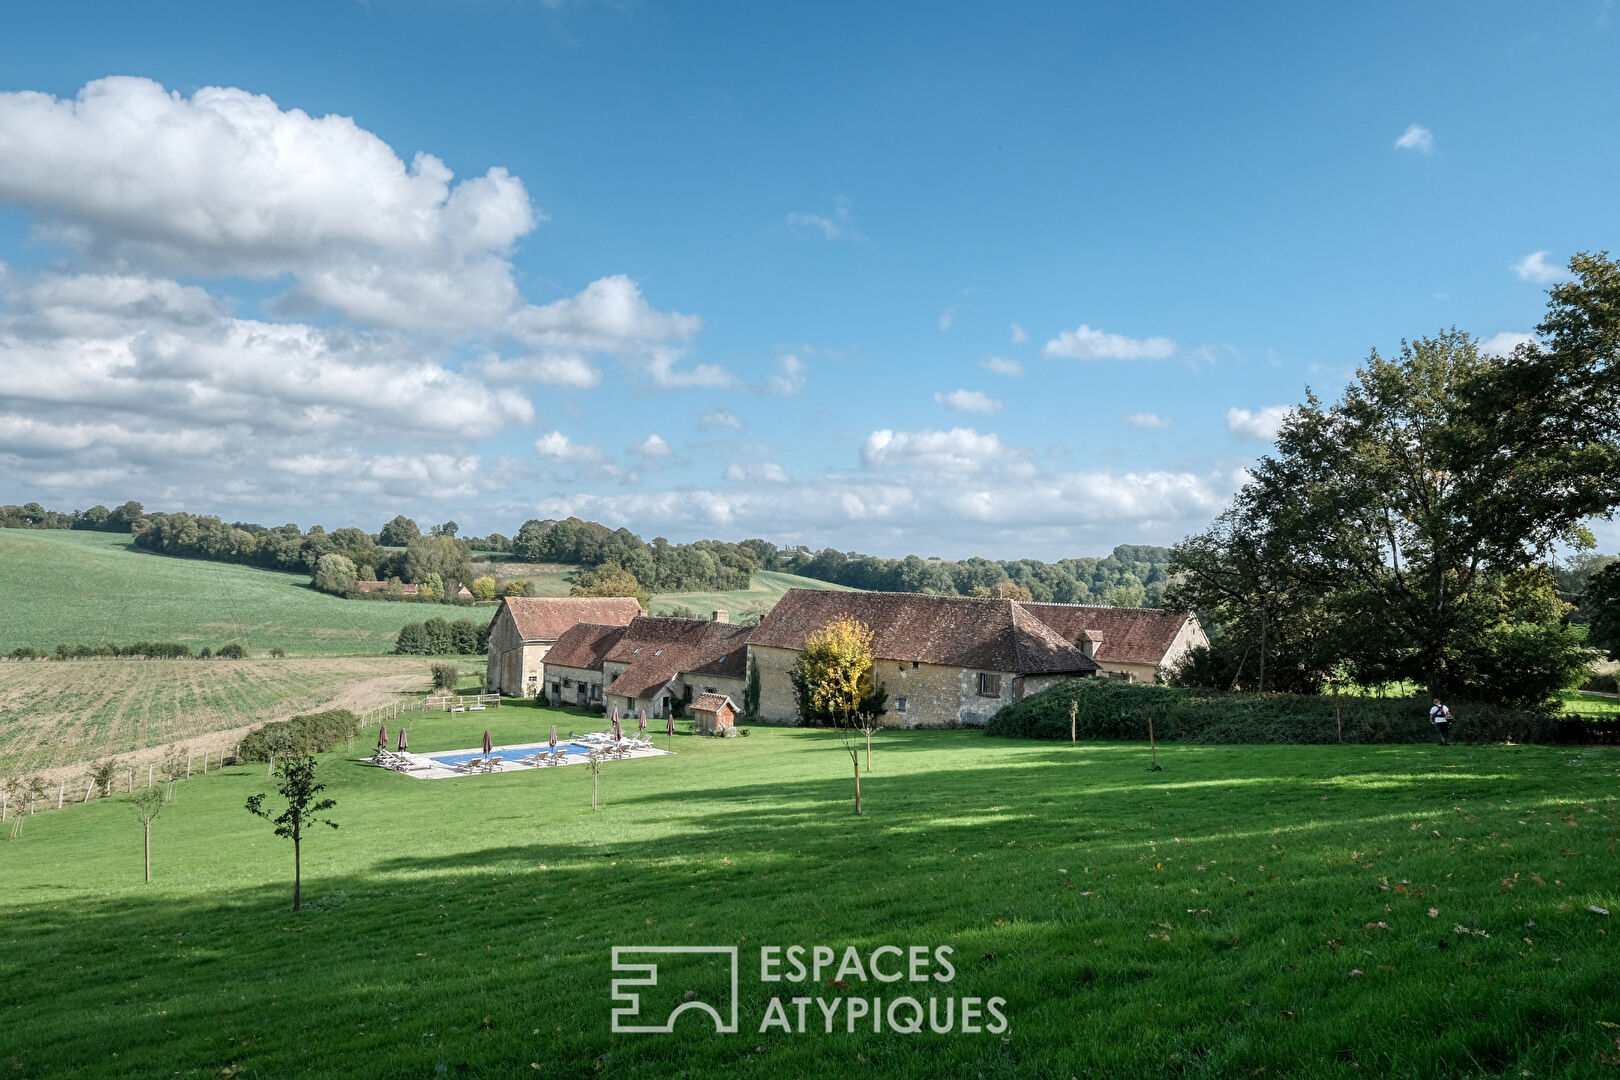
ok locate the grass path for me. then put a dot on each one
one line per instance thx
(1204, 921)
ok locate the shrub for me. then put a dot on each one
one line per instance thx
(205, 653)
(278, 652)
(412, 641)
(232, 651)
(1114, 709)
(308, 734)
(445, 676)
(483, 588)
(515, 588)
(26, 653)
(335, 573)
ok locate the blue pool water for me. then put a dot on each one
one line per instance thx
(510, 753)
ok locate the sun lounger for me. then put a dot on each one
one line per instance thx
(470, 766)
(493, 764)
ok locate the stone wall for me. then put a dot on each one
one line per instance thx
(569, 695)
(936, 695)
(513, 667)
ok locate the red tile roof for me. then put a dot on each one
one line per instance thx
(712, 703)
(583, 645)
(658, 649)
(957, 631)
(1128, 635)
(545, 618)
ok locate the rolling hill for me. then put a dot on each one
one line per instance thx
(66, 587)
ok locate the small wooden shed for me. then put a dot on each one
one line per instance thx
(712, 714)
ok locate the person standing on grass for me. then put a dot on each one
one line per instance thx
(1442, 720)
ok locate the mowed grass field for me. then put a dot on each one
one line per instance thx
(1400, 911)
(68, 587)
(765, 589)
(59, 713)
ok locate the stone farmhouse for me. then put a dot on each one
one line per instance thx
(945, 660)
(525, 628)
(652, 663)
(1139, 644)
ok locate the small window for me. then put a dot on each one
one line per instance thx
(568, 682)
(708, 690)
(635, 650)
(989, 685)
(900, 703)
(657, 652)
(914, 665)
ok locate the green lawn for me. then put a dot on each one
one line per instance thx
(67, 587)
(1203, 921)
(765, 589)
(1598, 706)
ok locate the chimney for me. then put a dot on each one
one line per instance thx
(1090, 641)
(722, 615)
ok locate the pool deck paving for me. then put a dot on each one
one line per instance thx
(428, 767)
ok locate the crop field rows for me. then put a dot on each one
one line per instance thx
(56, 713)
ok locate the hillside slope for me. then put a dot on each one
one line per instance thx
(765, 589)
(66, 587)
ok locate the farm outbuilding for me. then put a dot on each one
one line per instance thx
(712, 714)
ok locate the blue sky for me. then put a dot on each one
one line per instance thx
(948, 279)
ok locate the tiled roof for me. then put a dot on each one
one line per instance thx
(957, 631)
(544, 618)
(583, 645)
(712, 703)
(658, 649)
(1128, 635)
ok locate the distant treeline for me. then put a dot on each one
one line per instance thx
(140, 650)
(1133, 575)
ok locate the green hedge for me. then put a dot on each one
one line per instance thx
(309, 734)
(1115, 709)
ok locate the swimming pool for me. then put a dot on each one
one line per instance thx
(509, 753)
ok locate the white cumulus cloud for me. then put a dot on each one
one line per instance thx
(1085, 343)
(1257, 424)
(954, 451)
(1535, 267)
(1019, 334)
(1504, 343)
(1147, 420)
(973, 401)
(653, 446)
(1002, 366)
(228, 182)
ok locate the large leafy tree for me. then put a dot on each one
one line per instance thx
(1415, 504)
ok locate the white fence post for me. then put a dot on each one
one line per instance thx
(61, 791)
